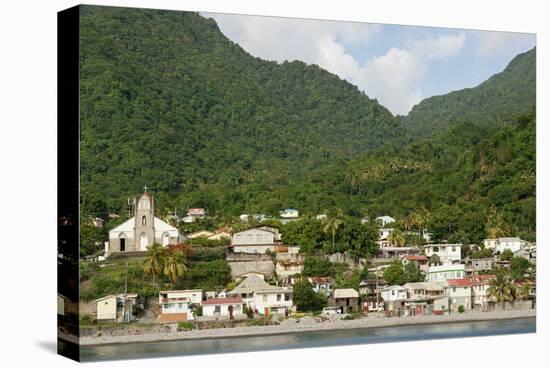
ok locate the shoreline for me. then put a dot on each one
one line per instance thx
(303, 325)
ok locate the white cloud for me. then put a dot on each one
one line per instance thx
(393, 78)
(440, 47)
(496, 43)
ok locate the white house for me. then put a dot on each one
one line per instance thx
(193, 295)
(263, 298)
(255, 240)
(384, 220)
(449, 253)
(441, 273)
(225, 307)
(498, 245)
(289, 213)
(480, 284)
(393, 293)
(176, 305)
(460, 293)
(383, 234)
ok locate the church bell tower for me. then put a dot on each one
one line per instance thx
(144, 229)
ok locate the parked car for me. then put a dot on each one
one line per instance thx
(331, 311)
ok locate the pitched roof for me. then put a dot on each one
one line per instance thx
(459, 282)
(346, 293)
(223, 301)
(253, 283)
(429, 286)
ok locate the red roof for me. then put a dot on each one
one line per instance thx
(196, 211)
(459, 282)
(416, 258)
(223, 301)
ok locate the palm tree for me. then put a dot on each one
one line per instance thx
(501, 288)
(421, 218)
(155, 259)
(524, 291)
(496, 225)
(332, 223)
(175, 266)
(396, 237)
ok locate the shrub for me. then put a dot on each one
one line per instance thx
(185, 326)
(460, 309)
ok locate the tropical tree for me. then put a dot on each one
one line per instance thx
(495, 225)
(395, 274)
(331, 224)
(501, 287)
(396, 237)
(421, 217)
(434, 260)
(175, 266)
(154, 262)
(507, 255)
(524, 291)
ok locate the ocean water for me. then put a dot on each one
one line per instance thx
(307, 339)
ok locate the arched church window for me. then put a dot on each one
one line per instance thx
(144, 220)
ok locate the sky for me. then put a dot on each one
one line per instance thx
(398, 65)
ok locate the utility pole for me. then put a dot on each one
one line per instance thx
(124, 318)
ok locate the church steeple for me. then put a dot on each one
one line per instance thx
(144, 220)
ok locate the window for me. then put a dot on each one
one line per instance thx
(278, 297)
(287, 296)
(454, 249)
(217, 309)
(144, 220)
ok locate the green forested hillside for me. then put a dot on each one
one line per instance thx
(168, 101)
(496, 101)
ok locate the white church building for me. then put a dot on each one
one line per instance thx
(143, 230)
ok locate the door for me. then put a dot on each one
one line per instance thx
(123, 244)
(230, 309)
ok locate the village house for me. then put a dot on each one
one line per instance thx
(194, 214)
(425, 298)
(98, 222)
(384, 220)
(369, 289)
(289, 213)
(440, 273)
(257, 240)
(383, 234)
(223, 307)
(394, 297)
(396, 252)
(289, 263)
(448, 253)
(321, 217)
(498, 245)
(460, 293)
(142, 230)
(263, 298)
(480, 284)
(474, 266)
(420, 261)
(177, 305)
(322, 285)
(528, 251)
(117, 307)
(532, 284)
(347, 299)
